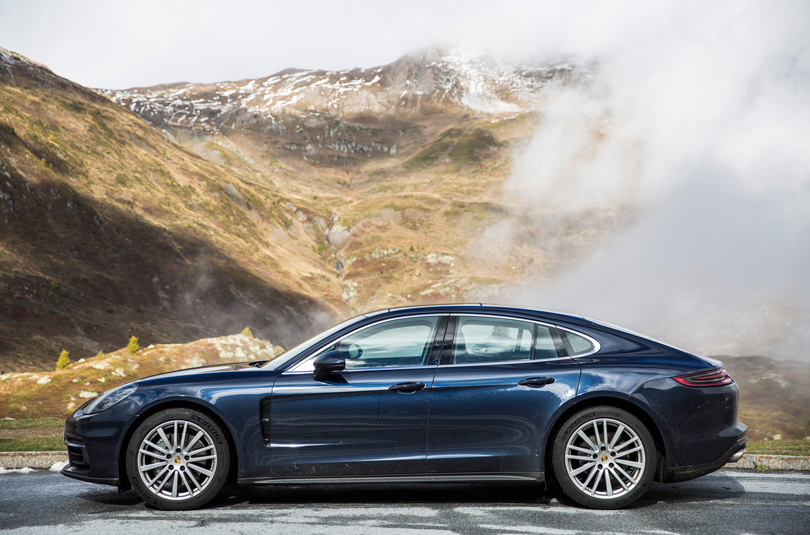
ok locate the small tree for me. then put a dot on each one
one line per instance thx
(133, 346)
(247, 332)
(64, 361)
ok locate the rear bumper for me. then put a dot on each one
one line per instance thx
(683, 473)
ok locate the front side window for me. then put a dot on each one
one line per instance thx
(397, 343)
(484, 340)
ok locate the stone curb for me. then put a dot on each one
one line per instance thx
(31, 459)
(45, 459)
(771, 462)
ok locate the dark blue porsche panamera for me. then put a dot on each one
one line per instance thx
(443, 393)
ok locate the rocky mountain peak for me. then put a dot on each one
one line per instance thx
(416, 82)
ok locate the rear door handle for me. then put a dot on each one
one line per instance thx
(536, 382)
(406, 387)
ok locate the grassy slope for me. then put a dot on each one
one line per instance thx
(58, 393)
(774, 396)
(112, 230)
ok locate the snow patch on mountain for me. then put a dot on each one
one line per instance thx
(471, 82)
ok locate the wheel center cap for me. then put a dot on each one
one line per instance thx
(605, 457)
(177, 460)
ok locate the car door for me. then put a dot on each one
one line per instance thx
(494, 393)
(368, 419)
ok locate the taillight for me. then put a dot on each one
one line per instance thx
(715, 377)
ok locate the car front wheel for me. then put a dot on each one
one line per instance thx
(178, 459)
(604, 458)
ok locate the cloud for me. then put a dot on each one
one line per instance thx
(700, 120)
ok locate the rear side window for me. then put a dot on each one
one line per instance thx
(484, 340)
(576, 344)
(545, 347)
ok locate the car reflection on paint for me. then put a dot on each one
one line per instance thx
(442, 393)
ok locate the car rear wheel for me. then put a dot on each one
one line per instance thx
(604, 458)
(178, 459)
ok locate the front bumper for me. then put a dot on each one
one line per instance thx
(83, 475)
(93, 442)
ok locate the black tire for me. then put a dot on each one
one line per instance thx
(605, 469)
(178, 459)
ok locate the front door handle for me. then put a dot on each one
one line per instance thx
(406, 387)
(536, 382)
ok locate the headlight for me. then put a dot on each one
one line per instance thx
(110, 398)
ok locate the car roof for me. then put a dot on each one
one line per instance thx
(479, 308)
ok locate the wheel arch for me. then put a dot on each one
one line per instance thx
(612, 401)
(123, 479)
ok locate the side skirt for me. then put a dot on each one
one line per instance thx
(424, 478)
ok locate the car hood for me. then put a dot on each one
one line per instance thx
(201, 370)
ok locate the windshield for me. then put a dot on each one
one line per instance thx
(291, 354)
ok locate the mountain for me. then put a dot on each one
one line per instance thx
(284, 203)
(109, 230)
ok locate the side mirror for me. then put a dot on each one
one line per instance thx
(327, 363)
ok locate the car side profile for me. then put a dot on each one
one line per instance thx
(448, 393)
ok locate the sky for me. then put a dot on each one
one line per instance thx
(128, 43)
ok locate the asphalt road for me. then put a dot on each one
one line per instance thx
(737, 502)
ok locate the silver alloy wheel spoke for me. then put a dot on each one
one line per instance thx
(583, 468)
(194, 441)
(628, 452)
(151, 481)
(201, 470)
(177, 474)
(164, 480)
(153, 454)
(587, 440)
(165, 439)
(616, 436)
(183, 436)
(625, 474)
(195, 452)
(584, 450)
(155, 446)
(590, 475)
(198, 459)
(174, 484)
(596, 434)
(599, 475)
(618, 478)
(152, 466)
(623, 445)
(607, 473)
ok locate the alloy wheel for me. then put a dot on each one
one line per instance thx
(605, 458)
(177, 460)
